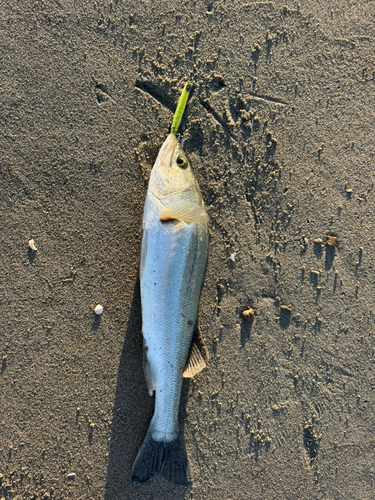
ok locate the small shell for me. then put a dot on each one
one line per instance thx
(98, 309)
(32, 245)
(232, 257)
(71, 476)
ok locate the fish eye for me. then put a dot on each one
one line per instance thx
(181, 162)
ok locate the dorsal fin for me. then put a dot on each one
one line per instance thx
(195, 362)
(184, 210)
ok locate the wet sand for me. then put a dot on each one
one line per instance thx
(280, 127)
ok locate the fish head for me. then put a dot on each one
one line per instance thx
(171, 172)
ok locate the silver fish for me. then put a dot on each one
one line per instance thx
(173, 261)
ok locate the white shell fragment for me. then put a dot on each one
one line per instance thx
(98, 309)
(71, 476)
(32, 245)
(233, 257)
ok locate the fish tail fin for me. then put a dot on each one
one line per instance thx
(169, 458)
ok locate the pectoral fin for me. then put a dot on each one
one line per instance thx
(195, 362)
(184, 210)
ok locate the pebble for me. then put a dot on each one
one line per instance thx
(248, 314)
(98, 309)
(287, 308)
(332, 241)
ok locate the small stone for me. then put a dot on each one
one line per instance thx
(248, 314)
(98, 309)
(71, 476)
(332, 241)
(286, 308)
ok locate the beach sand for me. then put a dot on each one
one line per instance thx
(279, 133)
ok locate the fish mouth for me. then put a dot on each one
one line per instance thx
(165, 154)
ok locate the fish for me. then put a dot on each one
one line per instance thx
(172, 266)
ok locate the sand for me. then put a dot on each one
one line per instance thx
(280, 135)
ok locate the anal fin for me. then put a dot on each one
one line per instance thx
(149, 374)
(195, 362)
